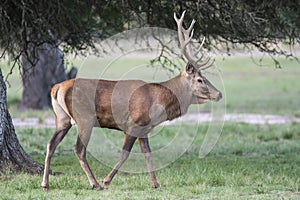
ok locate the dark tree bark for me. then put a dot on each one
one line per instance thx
(40, 74)
(12, 155)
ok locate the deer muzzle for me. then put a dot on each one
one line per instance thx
(217, 96)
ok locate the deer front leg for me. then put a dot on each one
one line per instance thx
(127, 146)
(84, 133)
(80, 151)
(145, 148)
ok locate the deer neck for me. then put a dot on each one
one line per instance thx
(181, 97)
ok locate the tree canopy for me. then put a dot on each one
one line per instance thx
(75, 25)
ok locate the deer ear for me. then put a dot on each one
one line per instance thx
(190, 69)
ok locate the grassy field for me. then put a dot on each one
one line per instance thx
(261, 89)
(248, 161)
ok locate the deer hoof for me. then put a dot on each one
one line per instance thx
(105, 185)
(97, 187)
(45, 188)
(156, 185)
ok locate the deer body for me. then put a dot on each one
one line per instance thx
(135, 102)
(132, 106)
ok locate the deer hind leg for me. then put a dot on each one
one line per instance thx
(84, 134)
(127, 146)
(62, 127)
(145, 148)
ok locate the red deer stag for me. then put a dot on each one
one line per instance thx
(132, 106)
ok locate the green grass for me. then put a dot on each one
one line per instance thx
(256, 89)
(248, 162)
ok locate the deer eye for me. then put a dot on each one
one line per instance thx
(200, 80)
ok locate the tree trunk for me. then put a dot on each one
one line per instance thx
(12, 155)
(39, 77)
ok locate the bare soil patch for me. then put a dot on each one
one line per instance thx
(190, 118)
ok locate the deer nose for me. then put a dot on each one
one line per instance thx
(219, 96)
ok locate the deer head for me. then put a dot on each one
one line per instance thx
(202, 89)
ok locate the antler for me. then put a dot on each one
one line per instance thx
(185, 36)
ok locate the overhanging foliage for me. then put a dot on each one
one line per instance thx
(75, 25)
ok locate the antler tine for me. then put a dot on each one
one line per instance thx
(206, 65)
(190, 30)
(182, 39)
(181, 17)
(179, 26)
(203, 63)
(188, 35)
(200, 47)
(185, 37)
